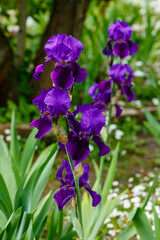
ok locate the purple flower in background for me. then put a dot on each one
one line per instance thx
(101, 94)
(120, 33)
(52, 104)
(122, 75)
(90, 125)
(64, 51)
(67, 188)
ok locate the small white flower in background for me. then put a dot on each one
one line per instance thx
(139, 73)
(118, 134)
(155, 101)
(130, 185)
(110, 225)
(149, 215)
(115, 183)
(138, 175)
(18, 137)
(150, 183)
(112, 233)
(126, 203)
(107, 220)
(91, 148)
(121, 103)
(13, 28)
(148, 207)
(138, 63)
(138, 237)
(137, 103)
(131, 179)
(123, 152)
(112, 195)
(7, 131)
(8, 138)
(112, 127)
(36, 147)
(151, 174)
(136, 200)
(153, 227)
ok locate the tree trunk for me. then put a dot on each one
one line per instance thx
(67, 17)
(22, 33)
(7, 71)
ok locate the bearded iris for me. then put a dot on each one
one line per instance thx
(122, 75)
(64, 51)
(52, 104)
(120, 34)
(67, 188)
(90, 126)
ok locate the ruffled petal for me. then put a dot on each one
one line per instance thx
(43, 124)
(92, 121)
(133, 47)
(58, 100)
(92, 90)
(126, 90)
(121, 49)
(40, 68)
(103, 148)
(63, 196)
(79, 73)
(39, 101)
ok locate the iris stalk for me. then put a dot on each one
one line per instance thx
(77, 192)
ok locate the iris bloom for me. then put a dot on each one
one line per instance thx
(78, 138)
(52, 104)
(120, 34)
(67, 188)
(101, 94)
(64, 51)
(122, 75)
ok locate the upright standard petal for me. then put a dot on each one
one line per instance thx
(133, 47)
(39, 101)
(40, 68)
(79, 73)
(92, 121)
(58, 101)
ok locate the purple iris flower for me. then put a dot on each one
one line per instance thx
(90, 125)
(67, 188)
(120, 33)
(64, 51)
(52, 104)
(101, 94)
(122, 75)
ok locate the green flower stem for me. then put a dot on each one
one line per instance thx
(109, 121)
(60, 230)
(77, 192)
